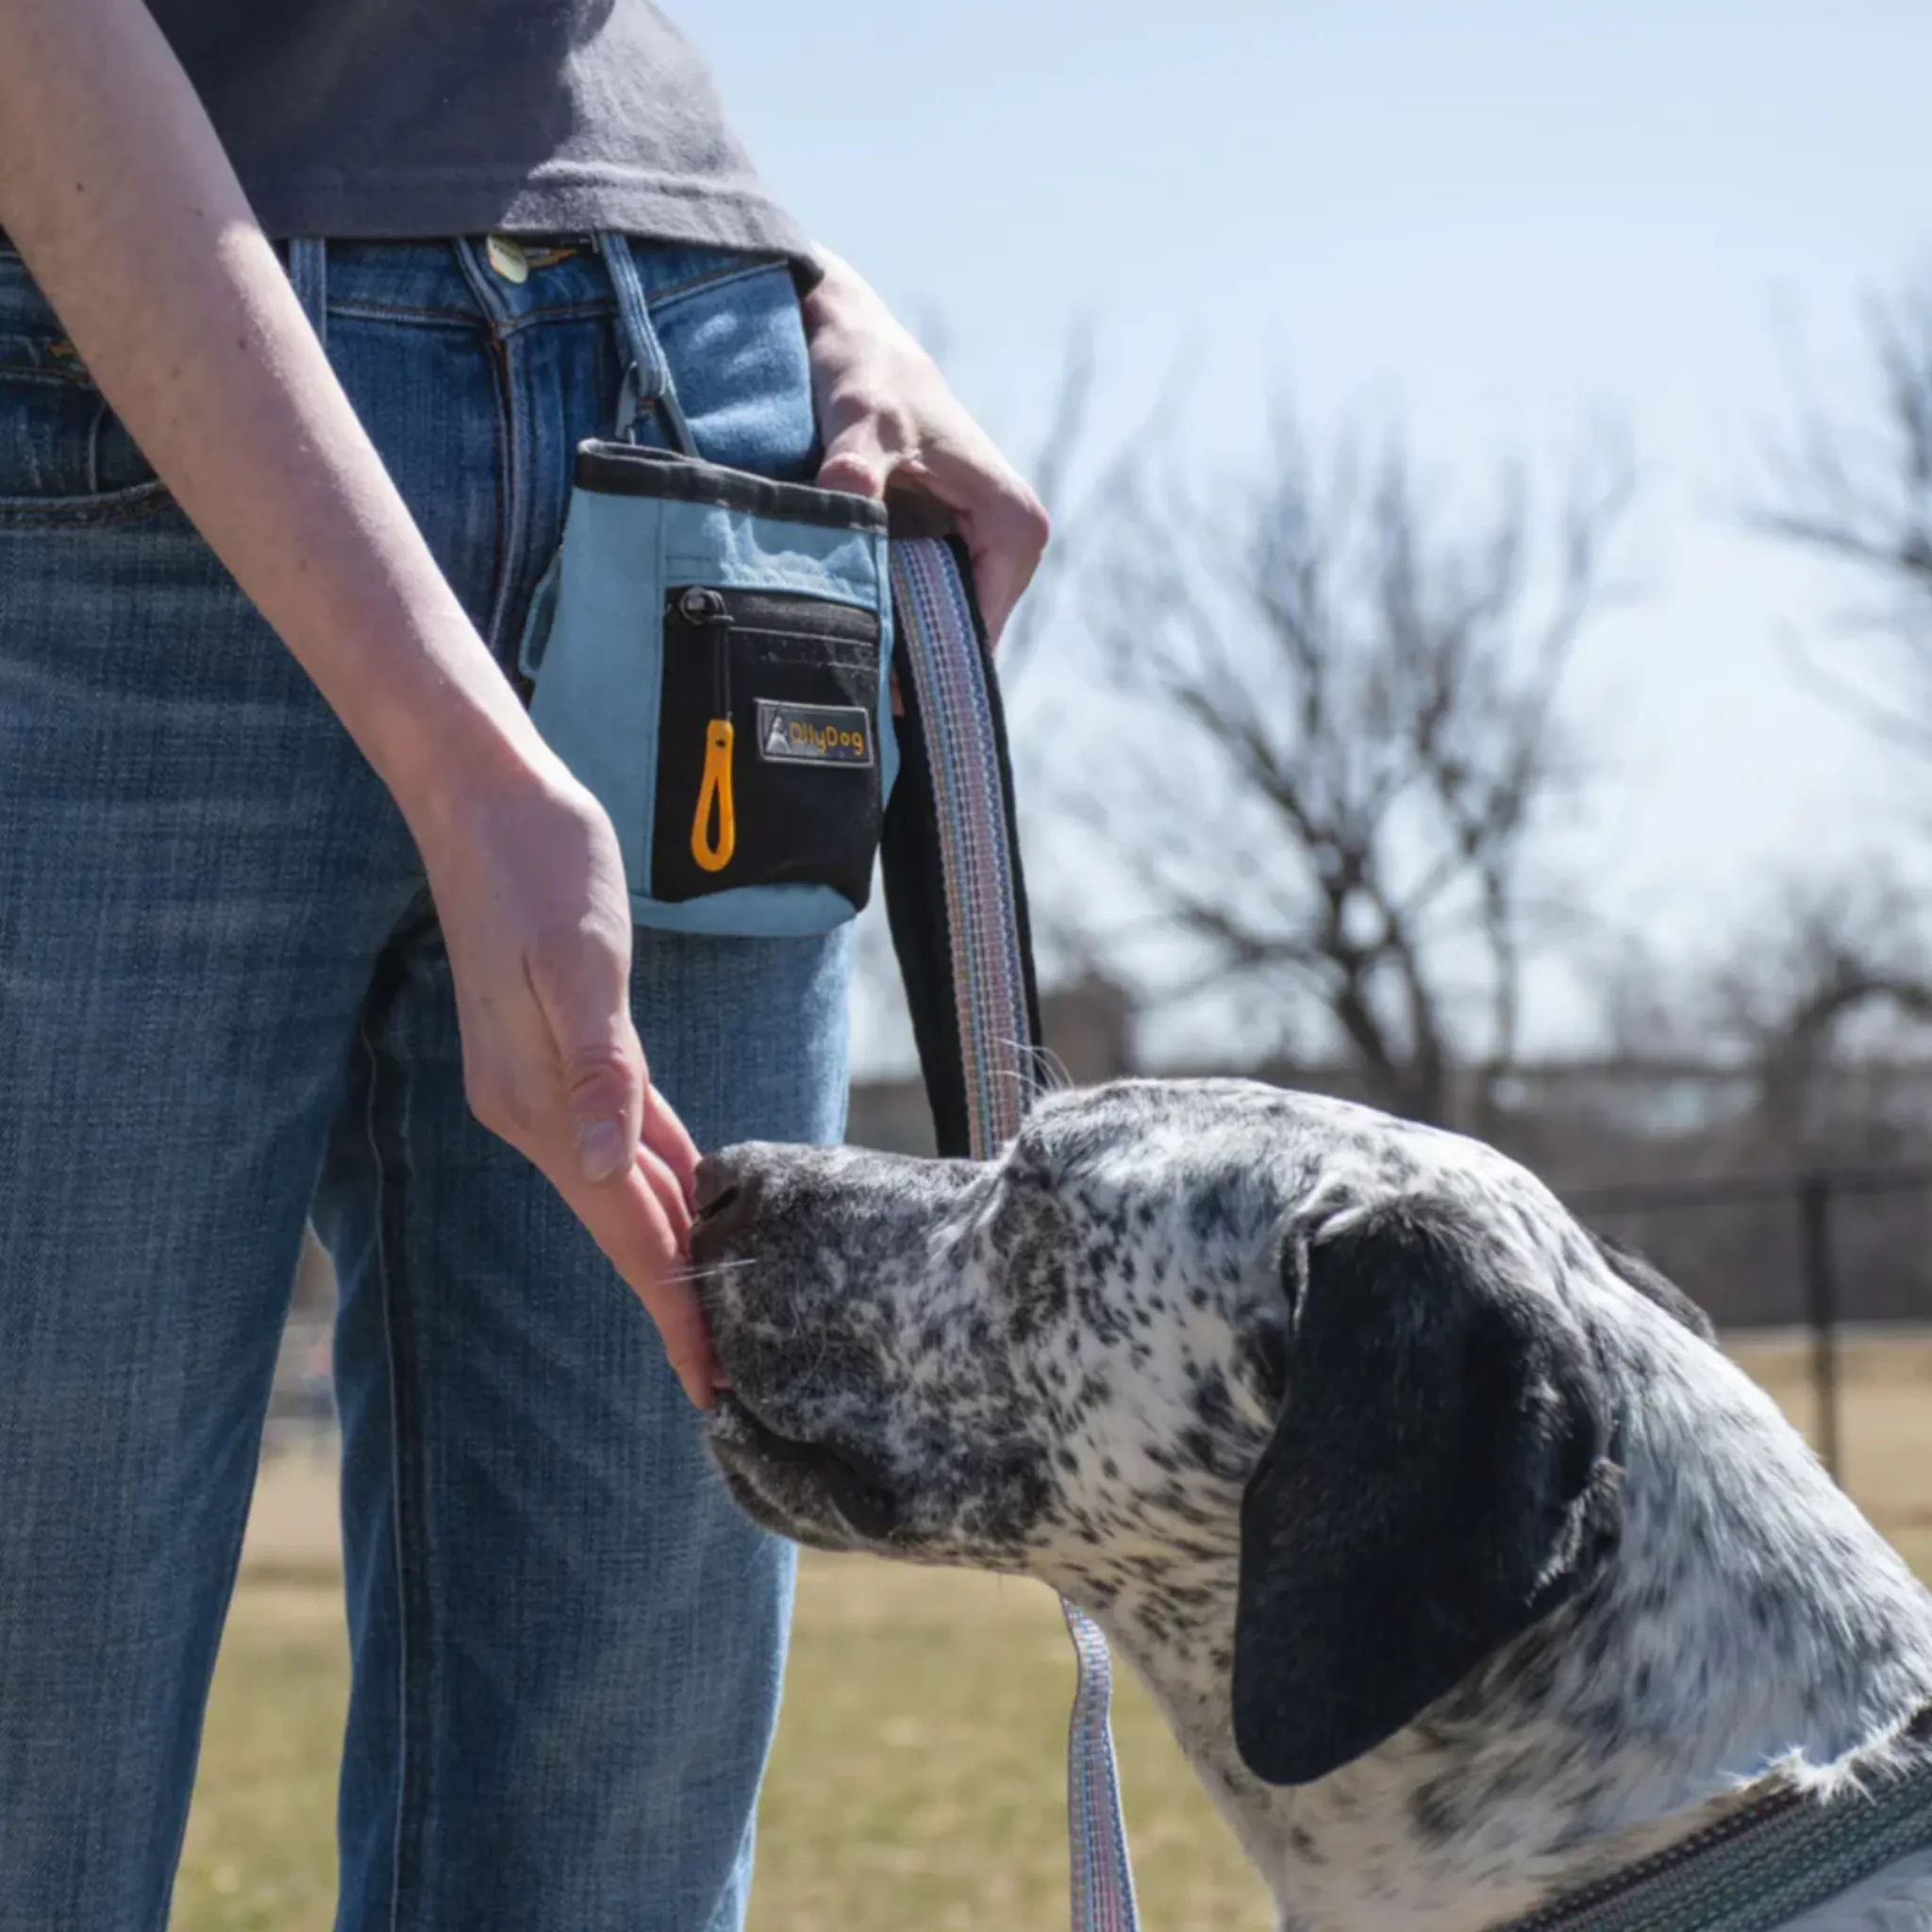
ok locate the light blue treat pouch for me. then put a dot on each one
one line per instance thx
(710, 655)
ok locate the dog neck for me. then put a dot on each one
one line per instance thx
(1751, 1622)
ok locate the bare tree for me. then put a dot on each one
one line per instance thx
(1855, 487)
(1827, 953)
(1645, 1013)
(1084, 490)
(1355, 700)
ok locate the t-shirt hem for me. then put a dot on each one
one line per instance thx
(417, 206)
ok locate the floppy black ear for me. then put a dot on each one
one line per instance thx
(1437, 1482)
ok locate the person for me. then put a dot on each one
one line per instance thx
(297, 909)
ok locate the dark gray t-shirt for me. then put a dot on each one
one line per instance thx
(416, 118)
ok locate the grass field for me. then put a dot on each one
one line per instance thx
(918, 1773)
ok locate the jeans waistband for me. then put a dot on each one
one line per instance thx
(510, 281)
(493, 283)
(426, 278)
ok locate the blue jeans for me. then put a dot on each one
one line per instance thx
(224, 996)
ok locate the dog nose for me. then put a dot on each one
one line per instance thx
(716, 1176)
(725, 1197)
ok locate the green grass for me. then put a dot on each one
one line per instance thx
(918, 1777)
(260, 1850)
(917, 1781)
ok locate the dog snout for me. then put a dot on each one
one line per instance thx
(724, 1195)
(717, 1175)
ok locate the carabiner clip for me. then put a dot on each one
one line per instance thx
(714, 798)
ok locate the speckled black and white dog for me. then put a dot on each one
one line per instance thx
(1462, 1564)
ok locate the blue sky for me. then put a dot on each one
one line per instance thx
(1495, 222)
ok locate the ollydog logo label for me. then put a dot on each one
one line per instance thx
(814, 733)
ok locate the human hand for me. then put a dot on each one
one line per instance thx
(889, 423)
(529, 888)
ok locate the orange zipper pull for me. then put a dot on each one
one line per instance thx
(714, 799)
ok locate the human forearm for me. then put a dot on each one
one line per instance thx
(116, 190)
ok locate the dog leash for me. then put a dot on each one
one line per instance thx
(965, 953)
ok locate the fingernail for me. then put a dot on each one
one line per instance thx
(601, 1152)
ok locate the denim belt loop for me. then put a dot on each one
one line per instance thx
(647, 379)
(308, 274)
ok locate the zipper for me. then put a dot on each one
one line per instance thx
(776, 614)
(708, 611)
(705, 610)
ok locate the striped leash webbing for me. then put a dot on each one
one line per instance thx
(965, 951)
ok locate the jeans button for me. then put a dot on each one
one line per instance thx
(508, 258)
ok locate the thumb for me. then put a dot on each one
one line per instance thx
(856, 465)
(602, 1062)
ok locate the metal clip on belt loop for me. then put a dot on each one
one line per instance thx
(647, 382)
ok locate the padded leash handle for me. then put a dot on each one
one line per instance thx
(965, 950)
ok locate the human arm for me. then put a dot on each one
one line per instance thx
(116, 190)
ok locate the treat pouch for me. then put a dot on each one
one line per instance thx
(709, 655)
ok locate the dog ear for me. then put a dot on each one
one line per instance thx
(1439, 1479)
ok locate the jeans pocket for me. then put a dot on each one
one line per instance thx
(735, 342)
(767, 766)
(65, 455)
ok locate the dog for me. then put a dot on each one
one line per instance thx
(1463, 1565)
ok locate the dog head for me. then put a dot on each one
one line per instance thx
(1210, 1344)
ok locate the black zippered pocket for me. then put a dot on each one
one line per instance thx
(790, 793)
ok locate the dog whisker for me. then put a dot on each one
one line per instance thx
(691, 1273)
(1037, 1071)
